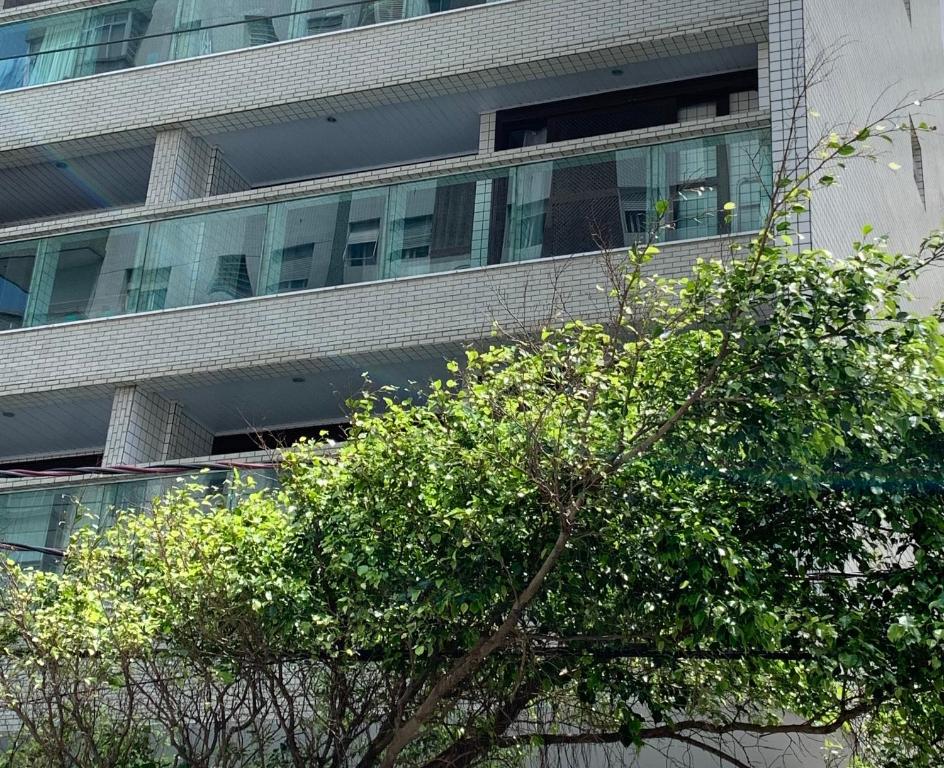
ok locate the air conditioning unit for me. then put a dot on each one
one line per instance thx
(388, 10)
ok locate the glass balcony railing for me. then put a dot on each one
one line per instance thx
(44, 518)
(106, 38)
(554, 208)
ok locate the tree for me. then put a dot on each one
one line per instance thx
(716, 516)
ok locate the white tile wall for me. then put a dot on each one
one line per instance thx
(328, 327)
(416, 58)
(145, 428)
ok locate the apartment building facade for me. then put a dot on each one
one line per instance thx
(215, 217)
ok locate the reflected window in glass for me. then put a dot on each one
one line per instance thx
(16, 272)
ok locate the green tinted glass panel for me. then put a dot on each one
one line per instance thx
(537, 210)
(134, 33)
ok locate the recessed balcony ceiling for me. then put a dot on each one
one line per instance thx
(441, 127)
(53, 425)
(238, 402)
(257, 400)
(65, 184)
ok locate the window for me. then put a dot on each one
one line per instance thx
(451, 230)
(151, 292)
(635, 204)
(295, 267)
(533, 218)
(318, 25)
(77, 272)
(260, 30)
(622, 110)
(34, 43)
(114, 36)
(16, 270)
(232, 277)
(362, 254)
(417, 236)
(362, 243)
(695, 188)
(191, 40)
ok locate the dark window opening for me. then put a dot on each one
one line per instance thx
(62, 462)
(362, 254)
(453, 214)
(618, 111)
(277, 438)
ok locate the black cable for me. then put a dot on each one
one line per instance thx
(9, 546)
(129, 470)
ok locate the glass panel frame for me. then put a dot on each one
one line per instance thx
(17, 263)
(134, 33)
(536, 210)
(46, 517)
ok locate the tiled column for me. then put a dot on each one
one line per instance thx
(223, 177)
(787, 92)
(763, 75)
(146, 428)
(41, 284)
(487, 124)
(185, 167)
(186, 438)
(181, 167)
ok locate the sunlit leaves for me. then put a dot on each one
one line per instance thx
(746, 464)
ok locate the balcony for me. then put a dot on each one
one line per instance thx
(107, 38)
(43, 518)
(514, 214)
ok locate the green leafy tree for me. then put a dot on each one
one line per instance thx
(715, 516)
